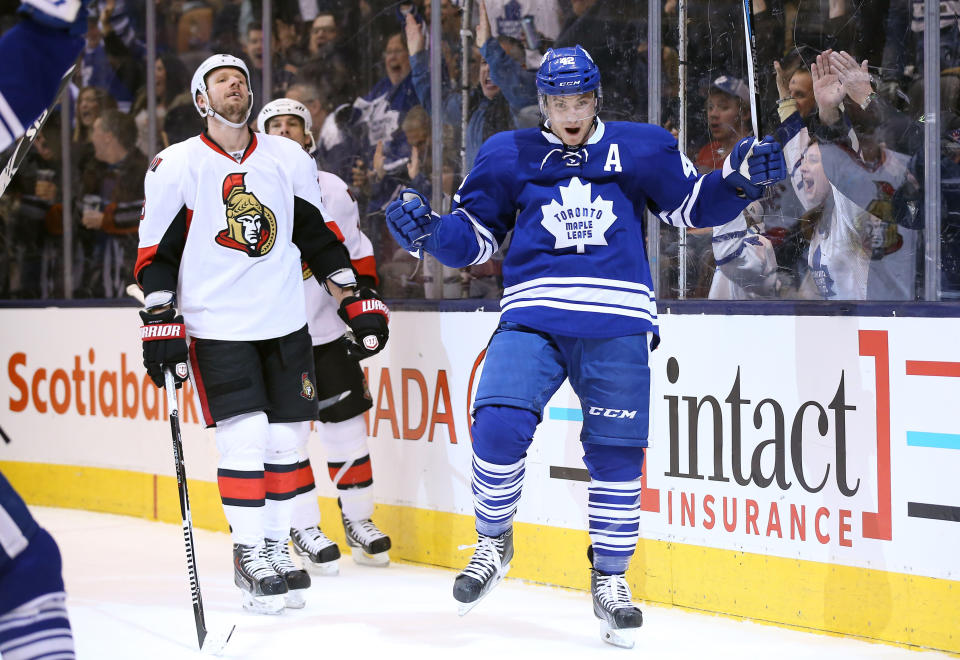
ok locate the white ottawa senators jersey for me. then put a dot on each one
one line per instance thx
(239, 270)
(325, 325)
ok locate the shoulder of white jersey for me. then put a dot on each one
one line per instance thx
(330, 181)
(176, 154)
(280, 144)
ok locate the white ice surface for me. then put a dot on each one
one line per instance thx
(129, 599)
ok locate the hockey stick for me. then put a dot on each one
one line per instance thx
(751, 43)
(26, 141)
(215, 644)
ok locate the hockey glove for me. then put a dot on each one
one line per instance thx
(411, 221)
(164, 346)
(752, 166)
(367, 317)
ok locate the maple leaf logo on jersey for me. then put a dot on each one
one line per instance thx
(251, 226)
(578, 220)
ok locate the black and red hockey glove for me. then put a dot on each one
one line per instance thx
(368, 316)
(164, 346)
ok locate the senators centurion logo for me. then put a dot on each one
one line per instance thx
(251, 226)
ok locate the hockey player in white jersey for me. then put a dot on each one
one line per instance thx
(341, 386)
(577, 303)
(36, 53)
(228, 217)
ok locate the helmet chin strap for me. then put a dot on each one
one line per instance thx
(220, 118)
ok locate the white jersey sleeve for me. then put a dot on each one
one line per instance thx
(342, 209)
(163, 223)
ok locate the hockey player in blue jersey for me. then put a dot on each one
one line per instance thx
(35, 54)
(33, 612)
(578, 302)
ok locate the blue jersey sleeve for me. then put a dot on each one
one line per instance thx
(34, 59)
(484, 208)
(676, 193)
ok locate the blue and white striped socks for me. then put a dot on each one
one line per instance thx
(613, 513)
(496, 491)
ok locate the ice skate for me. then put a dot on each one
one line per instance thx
(367, 544)
(262, 588)
(319, 553)
(487, 567)
(298, 580)
(612, 604)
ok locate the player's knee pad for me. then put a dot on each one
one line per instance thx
(613, 462)
(242, 441)
(344, 440)
(284, 441)
(502, 434)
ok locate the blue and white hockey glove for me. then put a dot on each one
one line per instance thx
(752, 166)
(411, 221)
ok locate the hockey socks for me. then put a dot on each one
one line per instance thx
(496, 491)
(613, 514)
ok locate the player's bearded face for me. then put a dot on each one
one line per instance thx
(571, 117)
(228, 93)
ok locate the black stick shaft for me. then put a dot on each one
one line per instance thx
(185, 507)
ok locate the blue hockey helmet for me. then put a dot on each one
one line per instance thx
(567, 71)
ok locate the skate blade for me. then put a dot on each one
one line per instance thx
(381, 559)
(294, 599)
(215, 642)
(326, 569)
(463, 608)
(263, 604)
(621, 637)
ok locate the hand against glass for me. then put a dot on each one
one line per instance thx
(854, 78)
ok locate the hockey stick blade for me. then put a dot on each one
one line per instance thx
(216, 642)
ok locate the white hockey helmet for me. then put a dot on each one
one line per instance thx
(198, 86)
(280, 107)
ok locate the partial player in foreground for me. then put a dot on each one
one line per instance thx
(35, 54)
(341, 386)
(578, 303)
(228, 217)
(33, 610)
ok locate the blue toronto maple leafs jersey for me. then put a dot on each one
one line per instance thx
(577, 263)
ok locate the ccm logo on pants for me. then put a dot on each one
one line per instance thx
(612, 412)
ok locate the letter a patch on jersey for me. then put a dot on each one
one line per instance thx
(251, 226)
(577, 220)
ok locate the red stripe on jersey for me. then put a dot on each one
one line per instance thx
(358, 473)
(216, 147)
(305, 476)
(335, 229)
(236, 488)
(280, 483)
(145, 257)
(366, 266)
(189, 220)
(198, 383)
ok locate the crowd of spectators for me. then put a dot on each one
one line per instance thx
(839, 83)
